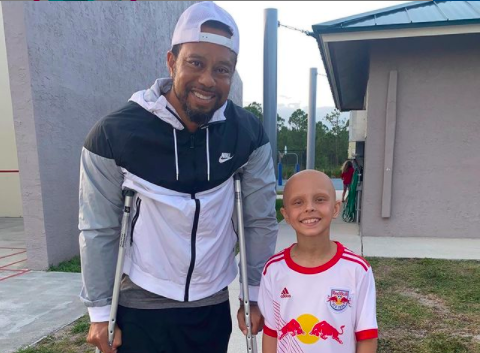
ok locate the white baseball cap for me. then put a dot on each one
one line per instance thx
(188, 28)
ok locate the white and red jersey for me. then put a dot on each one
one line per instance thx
(321, 309)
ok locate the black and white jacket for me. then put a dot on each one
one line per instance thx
(183, 240)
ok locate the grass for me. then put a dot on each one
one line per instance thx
(278, 205)
(72, 265)
(423, 306)
(70, 339)
(427, 306)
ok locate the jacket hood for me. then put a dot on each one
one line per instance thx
(154, 101)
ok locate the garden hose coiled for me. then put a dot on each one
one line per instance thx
(349, 207)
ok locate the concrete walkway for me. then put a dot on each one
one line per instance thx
(35, 304)
(32, 304)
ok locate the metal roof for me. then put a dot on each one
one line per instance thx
(343, 42)
(411, 14)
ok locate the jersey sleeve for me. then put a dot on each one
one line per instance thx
(265, 303)
(366, 315)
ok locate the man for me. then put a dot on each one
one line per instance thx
(177, 145)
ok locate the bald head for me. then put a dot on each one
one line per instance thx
(305, 180)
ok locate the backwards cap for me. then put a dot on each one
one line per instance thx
(188, 28)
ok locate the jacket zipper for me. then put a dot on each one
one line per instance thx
(135, 218)
(192, 246)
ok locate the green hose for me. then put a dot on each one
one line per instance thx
(349, 209)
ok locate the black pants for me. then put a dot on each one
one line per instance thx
(204, 329)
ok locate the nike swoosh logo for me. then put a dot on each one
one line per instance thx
(224, 159)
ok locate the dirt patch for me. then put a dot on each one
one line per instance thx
(428, 300)
(446, 321)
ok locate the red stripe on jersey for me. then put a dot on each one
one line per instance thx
(313, 270)
(366, 335)
(269, 332)
(358, 258)
(271, 262)
(355, 260)
(349, 252)
(277, 255)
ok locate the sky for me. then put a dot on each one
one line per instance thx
(297, 52)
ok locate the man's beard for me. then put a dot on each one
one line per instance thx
(195, 116)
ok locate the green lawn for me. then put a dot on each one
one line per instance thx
(428, 306)
(278, 205)
(423, 306)
(72, 265)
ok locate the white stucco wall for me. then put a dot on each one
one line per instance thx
(436, 164)
(70, 63)
(10, 199)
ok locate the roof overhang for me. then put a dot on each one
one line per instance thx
(345, 55)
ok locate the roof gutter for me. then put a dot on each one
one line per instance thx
(391, 32)
(324, 36)
(327, 63)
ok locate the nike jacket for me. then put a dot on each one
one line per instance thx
(182, 233)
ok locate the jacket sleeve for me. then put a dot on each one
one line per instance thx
(260, 222)
(100, 212)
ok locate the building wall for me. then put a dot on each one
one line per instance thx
(436, 164)
(10, 205)
(70, 63)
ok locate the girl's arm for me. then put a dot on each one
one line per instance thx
(269, 344)
(365, 346)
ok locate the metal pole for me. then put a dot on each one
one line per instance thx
(270, 79)
(312, 108)
(251, 339)
(129, 194)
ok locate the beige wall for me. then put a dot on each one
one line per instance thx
(10, 199)
(436, 163)
(63, 79)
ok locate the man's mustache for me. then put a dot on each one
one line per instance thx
(204, 89)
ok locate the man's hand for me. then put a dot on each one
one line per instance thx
(255, 317)
(98, 336)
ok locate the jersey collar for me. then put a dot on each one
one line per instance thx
(314, 270)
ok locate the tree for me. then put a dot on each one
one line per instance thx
(331, 145)
(339, 127)
(280, 122)
(299, 120)
(256, 109)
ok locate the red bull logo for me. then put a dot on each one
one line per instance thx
(293, 329)
(308, 329)
(324, 330)
(339, 299)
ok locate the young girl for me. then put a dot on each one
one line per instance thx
(347, 175)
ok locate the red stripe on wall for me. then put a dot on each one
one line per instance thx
(17, 253)
(13, 263)
(9, 171)
(15, 275)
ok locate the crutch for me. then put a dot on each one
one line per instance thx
(119, 271)
(251, 340)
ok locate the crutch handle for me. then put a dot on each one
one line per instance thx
(128, 192)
